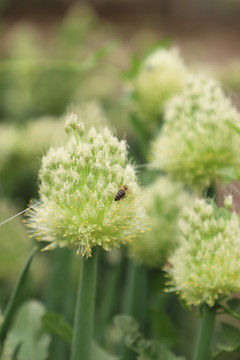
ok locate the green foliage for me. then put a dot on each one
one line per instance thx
(37, 79)
(15, 298)
(234, 305)
(14, 243)
(55, 324)
(229, 340)
(146, 349)
(43, 76)
(27, 330)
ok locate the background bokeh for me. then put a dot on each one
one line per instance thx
(61, 55)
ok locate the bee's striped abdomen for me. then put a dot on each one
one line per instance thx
(121, 193)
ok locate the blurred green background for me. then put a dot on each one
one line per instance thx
(57, 56)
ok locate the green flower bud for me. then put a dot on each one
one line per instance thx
(162, 75)
(78, 184)
(228, 201)
(206, 266)
(164, 200)
(72, 123)
(196, 139)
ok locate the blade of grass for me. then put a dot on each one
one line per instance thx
(134, 302)
(14, 302)
(84, 314)
(203, 347)
(109, 300)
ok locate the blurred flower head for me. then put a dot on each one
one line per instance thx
(196, 139)
(165, 200)
(92, 114)
(19, 147)
(161, 76)
(206, 266)
(78, 183)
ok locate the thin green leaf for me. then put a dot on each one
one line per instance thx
(92, 61)
(104, 50)
(234, 305)
(135, 64)
(230, 312)
(142, 133)
(14, 299)
(16, 351)
(56, 325)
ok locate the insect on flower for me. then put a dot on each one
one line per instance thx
(121, 193)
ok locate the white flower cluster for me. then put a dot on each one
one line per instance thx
(196, 139)
(206, 266)
(162, 75)
(78, 183)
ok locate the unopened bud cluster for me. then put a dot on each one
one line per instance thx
(161, 76)
(196, 140)
(206, 266)
(78, 183)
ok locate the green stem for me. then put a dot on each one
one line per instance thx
(55, 299)
(109, 300)
(15, 299)
(143, 136)
(205, 335)
(134, 302)
(129, 295)
(84, 313)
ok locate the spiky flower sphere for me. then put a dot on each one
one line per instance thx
(196, 139)
(206, 266)
(164, 202)
(78, 183)
(162, 75)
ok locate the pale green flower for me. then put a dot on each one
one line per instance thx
(206, 266)
(78, 183)
(162, 75)
(228, 201)
(196, 140)
(164, 200)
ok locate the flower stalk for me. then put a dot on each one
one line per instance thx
(134, 302)
(84, 313)
(205, 335)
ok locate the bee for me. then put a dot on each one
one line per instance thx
(121, 193)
